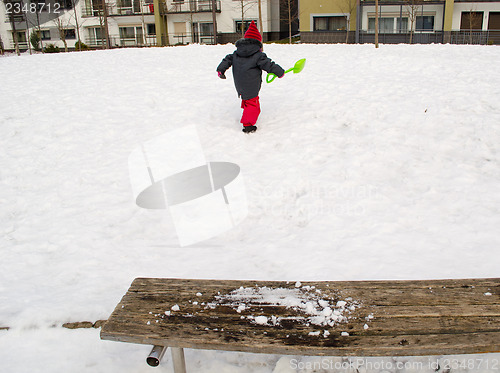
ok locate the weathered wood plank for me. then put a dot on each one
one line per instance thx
(387, 318)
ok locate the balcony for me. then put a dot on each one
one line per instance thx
(118, 8)
(190, 6)
(14, 11)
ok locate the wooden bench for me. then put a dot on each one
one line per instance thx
(362, 318)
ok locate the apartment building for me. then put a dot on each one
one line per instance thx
(401, 21)
(126, 23)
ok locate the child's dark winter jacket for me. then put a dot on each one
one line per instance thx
(248, 61)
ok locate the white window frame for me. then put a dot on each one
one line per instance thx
(129, 42)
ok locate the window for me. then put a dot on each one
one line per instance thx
(65, 4)
(96, 36)
(180, 32)
(332, 23)
(206, 29)
(151, 29)
(180, 28)
(127, 32)
(424, 23)
(246, 25)
(402, 25)
(129, 6)
(385, 25)
(203, 33)
(70, 33)
(494, 21)
(45, 34)
(131, 36)
(94, 7)
(471, 21)
(21, 36)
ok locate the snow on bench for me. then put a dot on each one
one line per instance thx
(361, 318)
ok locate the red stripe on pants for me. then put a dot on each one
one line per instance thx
(251, 111)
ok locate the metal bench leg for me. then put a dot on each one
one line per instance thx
(178, 360)
(156, 355)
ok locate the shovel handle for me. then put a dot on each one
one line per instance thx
(270, 76)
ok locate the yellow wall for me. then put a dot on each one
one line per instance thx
(161, 26)
(309, 7)
(448, 15)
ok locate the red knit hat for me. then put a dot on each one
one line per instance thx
(253, 32)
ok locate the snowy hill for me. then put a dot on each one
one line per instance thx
(369, 164)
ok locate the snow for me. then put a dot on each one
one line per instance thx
(261, 320)
(306, 306)
(369, 164)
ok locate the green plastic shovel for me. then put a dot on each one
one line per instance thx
(297, 68)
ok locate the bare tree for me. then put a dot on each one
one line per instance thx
(214, 19)
(39, 29)
(143, 24)
(101, 8)
(62, 28)
(243, 6)
(103, 21)
(347, 7)
(191, 32)
(376, 23)
(473, 19)
(73, 5)
(28, 37)
(412, 7)
(261, 27)
(12, 19)
(290, 11)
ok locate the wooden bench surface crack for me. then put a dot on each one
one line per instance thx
(390, 318)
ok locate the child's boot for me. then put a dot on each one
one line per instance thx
(249, 129)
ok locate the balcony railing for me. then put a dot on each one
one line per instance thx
(23, 45)
(122, 41)
(117, 10)
(190, 6)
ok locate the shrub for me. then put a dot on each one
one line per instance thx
(51, 48)
(35, 40)
(81, 46)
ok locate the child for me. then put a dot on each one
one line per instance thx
(248, 61)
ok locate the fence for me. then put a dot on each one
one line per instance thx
(481, 37)
(475, 37)
(222, 37)
(116, 41)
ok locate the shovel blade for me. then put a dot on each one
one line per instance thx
(299, 66)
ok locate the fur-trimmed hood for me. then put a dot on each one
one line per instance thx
(246, 47)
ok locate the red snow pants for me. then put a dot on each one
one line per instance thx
(251, 111)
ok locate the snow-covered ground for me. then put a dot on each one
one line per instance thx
(370, 164)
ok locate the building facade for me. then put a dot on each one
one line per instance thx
(137, 23)
(192, 21)
(408, 21)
